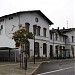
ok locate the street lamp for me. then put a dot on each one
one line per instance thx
(35, 27)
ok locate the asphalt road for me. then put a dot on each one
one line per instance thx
(62, 67)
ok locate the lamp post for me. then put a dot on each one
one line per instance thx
(34, 48)
(34, 26)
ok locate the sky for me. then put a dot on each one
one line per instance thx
(60, 12)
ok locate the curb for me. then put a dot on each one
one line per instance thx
(34, 72)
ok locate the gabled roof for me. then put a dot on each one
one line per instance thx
(37, 11)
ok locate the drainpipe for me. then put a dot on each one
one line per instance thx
(53, 43)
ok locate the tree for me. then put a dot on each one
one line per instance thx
(21, 37)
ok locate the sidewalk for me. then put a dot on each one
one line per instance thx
(12, 68)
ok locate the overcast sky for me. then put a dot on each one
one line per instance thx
(58, 11)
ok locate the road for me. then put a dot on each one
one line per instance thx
(62, 67)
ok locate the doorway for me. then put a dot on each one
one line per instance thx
(51, 51)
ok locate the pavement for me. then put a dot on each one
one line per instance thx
(12, 68)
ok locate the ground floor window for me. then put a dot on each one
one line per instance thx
(44, 48)
(36, 48)
(27, 48)
(51, 51)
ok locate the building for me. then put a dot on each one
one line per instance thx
(48, 43)
(35, 22)
(57, 42)
(62, 42)
(70, 40)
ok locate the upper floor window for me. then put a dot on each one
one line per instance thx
(1, 27)
(56, 36)
(72, 38)
(44, 32)
(38, 30)
(51, 35)
(34, 29)
(10, 18)
(1, 20)
(63, 38)
(27, 26)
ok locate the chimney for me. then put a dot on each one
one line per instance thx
(58, 28)
(52, 28)
(63, 27)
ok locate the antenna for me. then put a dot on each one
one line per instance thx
(67, 24)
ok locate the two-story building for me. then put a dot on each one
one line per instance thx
(70, 40)
(35, 22)
(62, 42)
(57, 42)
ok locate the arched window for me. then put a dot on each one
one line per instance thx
(27, 48)
(36, 48)
(27, 26)
(44, 48)
(34, 29)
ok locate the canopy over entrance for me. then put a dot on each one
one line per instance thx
(7, 53)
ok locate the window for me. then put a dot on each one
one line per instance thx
(72, 38)
(1, 20)
(37, 48)
(44, 48)
(56, 36)
(38, 30)
(63, 38)
(27, 46)
(34, 29)
(51, 35)
(56, 49)
(1, 27)
(10, 18)
(27, 26)
(0, 32)
(44, 32)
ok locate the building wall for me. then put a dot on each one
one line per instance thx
(69, 43)
(10, 26)
(55, 42)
